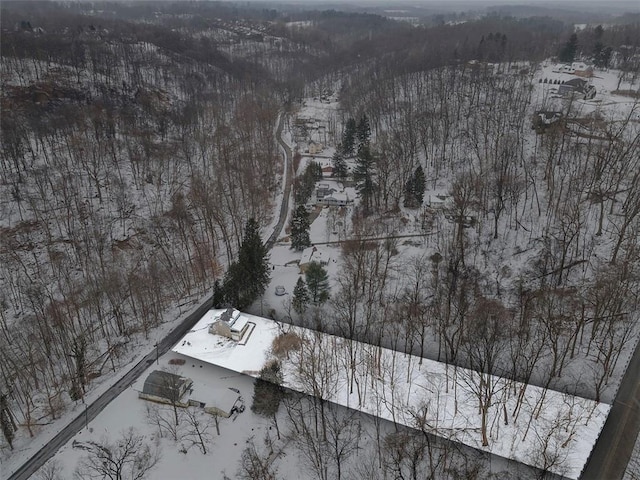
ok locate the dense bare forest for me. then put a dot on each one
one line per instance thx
(138, 139)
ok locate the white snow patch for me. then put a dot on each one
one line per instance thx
(553, 431)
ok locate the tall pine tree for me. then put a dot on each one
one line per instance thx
(300, 297)
(317, 283)
(414, 189)
(363, 175)
(349, 137)
(7, 422)
(248, 277)
(268, 392)
(569, 49)
(339, 165)
(300, 229)
(419, 184)
(364, 130)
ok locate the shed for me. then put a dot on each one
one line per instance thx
(225, 403)
(165, 387)
(337, 199)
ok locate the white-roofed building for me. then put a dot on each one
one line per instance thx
(336, 199)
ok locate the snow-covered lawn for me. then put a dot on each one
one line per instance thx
(552, 430)
(608, 102)
(224, 451)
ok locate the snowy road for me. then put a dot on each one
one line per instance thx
(288, 167)
(46, 452)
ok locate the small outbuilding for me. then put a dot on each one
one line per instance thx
(336, 199)
(165, 387)
(543, 119)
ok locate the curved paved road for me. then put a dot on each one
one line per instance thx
(288, 181)
(46, 452)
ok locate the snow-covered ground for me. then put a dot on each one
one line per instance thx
(25, 447)
(633, 467)
(608, 101)
(224, 451)
(286, 271)
(552, 431)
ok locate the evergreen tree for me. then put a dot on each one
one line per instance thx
(7, 423)
(598, 32)
(218, 295)
(601, 55)
(349, 137)
(300, 229)
(317, 283)
(364, 130)
(248, 277)
(268, 390)
(315, 170)
(419, 184)
(300, 296)
(414, 189)
(569, 49)
(305, 184)
(339, 165)
(363, 175)
(408, 193)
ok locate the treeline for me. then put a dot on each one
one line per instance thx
(129, 170)
(534, 255)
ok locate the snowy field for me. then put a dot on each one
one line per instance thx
(411, 391)
(179, 459)
(608, 101)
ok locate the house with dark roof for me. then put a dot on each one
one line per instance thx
(165, 387)
(336, 199)
(543, 119)
(323, 190)
(579, 87)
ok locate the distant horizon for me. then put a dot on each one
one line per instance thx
(613, 8)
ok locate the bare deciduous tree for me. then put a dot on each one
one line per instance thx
(254, 466)
(198, 424)
(128, 458)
